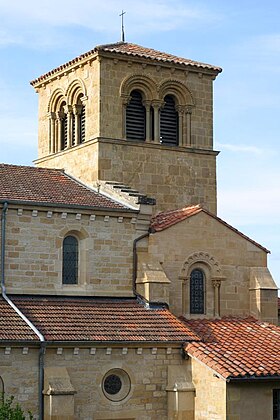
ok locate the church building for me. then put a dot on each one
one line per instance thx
(123, 294)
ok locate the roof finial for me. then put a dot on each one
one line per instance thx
(122, 13)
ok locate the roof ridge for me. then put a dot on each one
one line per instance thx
(32, 167)
(140, 51)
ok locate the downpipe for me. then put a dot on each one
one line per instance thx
(17, 310)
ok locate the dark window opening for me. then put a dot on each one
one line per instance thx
(169, 122)
(112, 384)
(135, 117)
(73, 131)
(276, 404)
(64, 127)
(70, 260)
(197, 292)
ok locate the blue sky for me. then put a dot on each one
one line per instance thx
(243, 37)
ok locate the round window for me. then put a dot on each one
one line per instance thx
(116, 385)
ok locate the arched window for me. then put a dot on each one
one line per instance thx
(135, 117)
(169, 122)
(197, 292)
(70, 260)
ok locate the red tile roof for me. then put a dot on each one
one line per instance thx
(131, 50)
(97, 319)
(236, 347)
(48, 186)
(166, 219)
(12, 327)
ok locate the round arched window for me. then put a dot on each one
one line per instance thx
(197, 291)
(116, 385)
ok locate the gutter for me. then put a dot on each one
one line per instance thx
(17, 310)
(70, 206)
(253, 379)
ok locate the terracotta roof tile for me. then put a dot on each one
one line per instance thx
(166, 219)
(48, 186)
(12, 326)
(130, 50)
(236, 347)
(98, 319)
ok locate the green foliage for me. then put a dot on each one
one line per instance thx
(11, 411)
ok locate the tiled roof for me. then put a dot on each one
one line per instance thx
(48, 186)
(98, 319)
(131, 50)
(12, 327)
(236, 347)
(166, 219)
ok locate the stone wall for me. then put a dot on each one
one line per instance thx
(146, 366)
(250, 401)
(224, 255)
(19, 371)
(210, 393)
(34, 239)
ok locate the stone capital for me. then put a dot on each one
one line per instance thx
(68, 109)
(77, 109)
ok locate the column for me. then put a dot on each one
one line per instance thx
(181, 111)
(185, 294)
(76, 136)
(125, 101)
(59, 117)
(147, 105)
(68, 111)
(157, 105)
(188, 128)
(216, 284)
(52, 136)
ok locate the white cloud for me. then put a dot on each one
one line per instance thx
(240, 148)
(147, 16)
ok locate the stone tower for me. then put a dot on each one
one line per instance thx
(129, 115)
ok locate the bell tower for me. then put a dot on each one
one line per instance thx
(134, 116)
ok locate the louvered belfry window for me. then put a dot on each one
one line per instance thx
(64, 127)
(73, 131)
(70, 260)
(83, 124)
(197, 292)
(135, 117)
(169, 122)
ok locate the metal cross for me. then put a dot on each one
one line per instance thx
(122, 13)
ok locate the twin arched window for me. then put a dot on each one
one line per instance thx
(70, 260)
(197, 291)
(139, 116)
(67, 123)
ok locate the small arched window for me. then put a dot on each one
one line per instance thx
(70, 260)
(197, 292)
(135, 117)
(169, 122)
